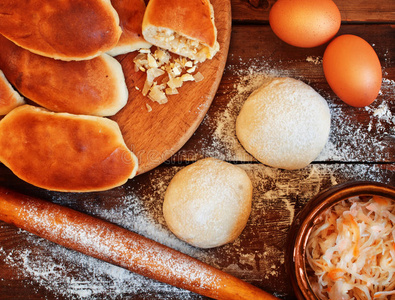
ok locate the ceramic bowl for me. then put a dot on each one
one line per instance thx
(303, 224)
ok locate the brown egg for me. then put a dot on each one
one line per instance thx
(305, 23)
(353, 70)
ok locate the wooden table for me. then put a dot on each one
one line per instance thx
(361, 147)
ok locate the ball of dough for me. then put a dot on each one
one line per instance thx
(284, 124)
(207, 204)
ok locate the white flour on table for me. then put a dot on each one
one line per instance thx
(252, 74)
(72, 275)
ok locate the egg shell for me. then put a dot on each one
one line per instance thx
(353, 70)
(305, 23)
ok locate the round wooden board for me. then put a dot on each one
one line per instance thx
(156, 135)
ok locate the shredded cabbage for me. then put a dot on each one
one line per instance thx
(351, 250)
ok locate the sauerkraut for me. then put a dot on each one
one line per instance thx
(351, 250)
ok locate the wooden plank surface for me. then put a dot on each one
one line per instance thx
(357, 134)
(31, 265)
(354, 11)
(361, 147)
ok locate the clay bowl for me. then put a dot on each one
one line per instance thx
(303, 224)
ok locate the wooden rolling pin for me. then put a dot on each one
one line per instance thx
(116, 245)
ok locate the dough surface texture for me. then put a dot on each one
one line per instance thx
(284, 124)
(65, 152)
(90, 87)
(61, 29)
(207, 204)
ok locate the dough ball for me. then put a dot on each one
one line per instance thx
(284, 124)
(207, 204)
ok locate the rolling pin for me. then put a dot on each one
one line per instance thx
(116, 245)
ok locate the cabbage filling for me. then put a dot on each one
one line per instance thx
(182, 45)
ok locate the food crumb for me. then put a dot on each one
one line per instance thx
(149, 108)
(317, 60)
(164, 74)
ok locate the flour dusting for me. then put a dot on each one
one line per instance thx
(250, 76)
(371, 131)
(72, 275)
(278, 197)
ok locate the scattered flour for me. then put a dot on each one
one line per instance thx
(370, 131)
(224, 144)
(71, 275)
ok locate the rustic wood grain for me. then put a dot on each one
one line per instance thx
(155, 136)
(265, 54)
(256, 256)
(114, 244)
(352, 11)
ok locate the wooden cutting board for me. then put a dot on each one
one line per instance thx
(156, 135)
